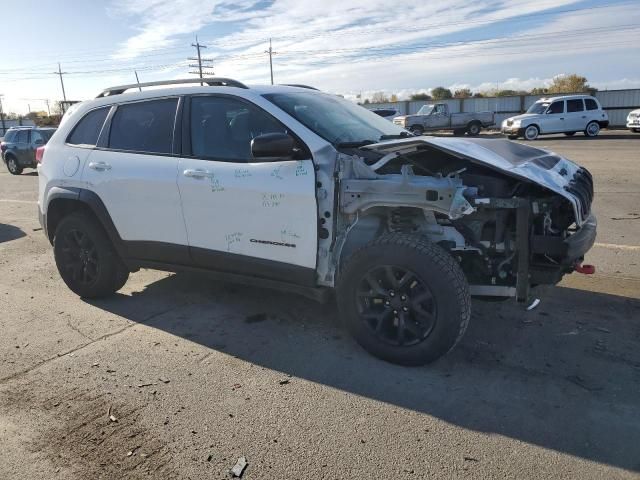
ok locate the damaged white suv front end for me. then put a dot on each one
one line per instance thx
(514, 216)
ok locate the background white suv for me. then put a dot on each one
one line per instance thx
(566, 114)
(633, 121)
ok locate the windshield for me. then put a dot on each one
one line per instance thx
(335, 119)
(538, 107)
(425, 110)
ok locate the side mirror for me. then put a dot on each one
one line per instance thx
(272, 146)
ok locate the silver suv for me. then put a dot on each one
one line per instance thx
(296, 189)
(567, 114)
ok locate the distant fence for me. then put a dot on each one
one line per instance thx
(617, 104)
(7, 124)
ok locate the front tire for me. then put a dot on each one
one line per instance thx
(592, 130)
(404, 300)
(417, 130)
(86, 259)
(531, 132)
(13, 166)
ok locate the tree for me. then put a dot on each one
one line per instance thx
(441, 93)
(508, 93)
(394, 98)
(571, 83)
(366, 101)
(379, 97)
(478, 95)
(539, 91)
(419, 96)
(462, 93)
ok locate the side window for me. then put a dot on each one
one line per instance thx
(37, 138)
(88, 129)
(22, 136)
(144, 126)
(556, 107)
(223, 127)
(591, 104)
(440, 109)
(575, 105)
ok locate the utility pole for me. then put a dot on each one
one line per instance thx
(137, 80)
(48, 109)
(271, 54)
(64, 95)
(206, 61)
(4, 127)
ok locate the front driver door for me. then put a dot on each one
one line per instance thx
(243, 215)
(554, 119)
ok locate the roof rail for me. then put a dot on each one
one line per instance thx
(211, 81)
(298, 85)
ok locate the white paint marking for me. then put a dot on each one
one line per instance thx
(618, 247)
(30, 202)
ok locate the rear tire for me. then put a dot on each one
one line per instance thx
(13, 166)
(404, 300)
(569, 134)
(86, 259)
(592, 130)
(474, 129)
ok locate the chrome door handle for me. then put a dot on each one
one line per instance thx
(197, 173)
(99, 166)
(561, 118)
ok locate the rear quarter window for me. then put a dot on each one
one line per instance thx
(87, 131)
(591, 104)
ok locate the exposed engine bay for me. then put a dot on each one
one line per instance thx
(514, 216)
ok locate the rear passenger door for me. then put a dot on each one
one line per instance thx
(244, 215)
(133, 170)
(576, 118)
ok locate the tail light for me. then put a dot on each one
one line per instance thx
(3, 146)
(39, 154)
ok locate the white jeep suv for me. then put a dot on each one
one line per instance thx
(292, 188)
(566, 114)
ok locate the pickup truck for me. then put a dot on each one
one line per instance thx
(437, 117)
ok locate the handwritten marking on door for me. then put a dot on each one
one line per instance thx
(233, 239)
(272, 200)
(276, 173)
(242, 173)
(216, 186)
(301, 170)
(286, 234)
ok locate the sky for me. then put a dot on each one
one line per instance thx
(348, 47)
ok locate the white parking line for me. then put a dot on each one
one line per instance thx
(30, 202)
(617, 247)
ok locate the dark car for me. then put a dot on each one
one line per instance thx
(20, 145)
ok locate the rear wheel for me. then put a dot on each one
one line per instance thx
(404, 299)
(85, 258)
(531, 132)
(474, 129)
(592, 130)
(417, 130)
(569, 134)
(13, 166)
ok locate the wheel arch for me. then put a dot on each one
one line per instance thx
(63, 202)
